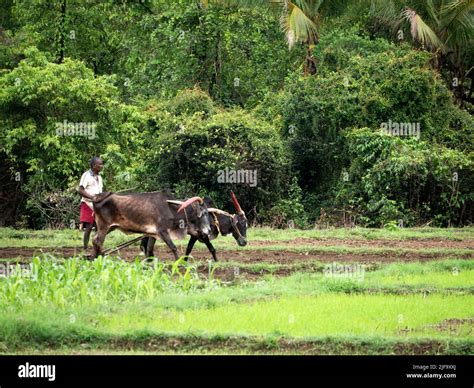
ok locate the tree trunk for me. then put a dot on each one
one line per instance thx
(62, 32)
(309, 62)
(215, 86)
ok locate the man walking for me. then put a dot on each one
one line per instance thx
(89, 186)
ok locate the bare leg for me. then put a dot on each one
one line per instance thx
(144, 244)
(87, 233)
(149, 247)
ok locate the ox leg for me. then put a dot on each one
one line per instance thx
(190, 246)
(210, 247)
(144, 244)
(167, 239)
(98, 240)
(149, 247)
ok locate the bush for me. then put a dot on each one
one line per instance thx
(366, 83)
(191, 101)
(188, 154)
(391, 179)
(36, 98)
(289, 212)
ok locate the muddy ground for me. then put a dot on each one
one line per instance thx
(313, 251)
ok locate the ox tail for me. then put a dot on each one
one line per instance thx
(100, 197)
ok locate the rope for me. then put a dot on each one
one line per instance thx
(123, 245)
(217, 223)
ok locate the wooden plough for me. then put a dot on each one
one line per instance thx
(120, 246)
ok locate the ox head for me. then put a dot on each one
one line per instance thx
(239, 223)
(197, 213)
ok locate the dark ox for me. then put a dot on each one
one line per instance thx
(155, 214)
(221, 223)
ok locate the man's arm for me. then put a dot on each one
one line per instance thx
(84, 193)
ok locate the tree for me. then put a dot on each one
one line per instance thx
(54, 117)
(442, 27)
(300, 20)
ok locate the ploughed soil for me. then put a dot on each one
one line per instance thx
(288, 260)
(359, 243)
(312, 251)
(248, 256)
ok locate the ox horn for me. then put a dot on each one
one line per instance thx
(236, 203)
(188, 202)
(175, 202)
(218, 211)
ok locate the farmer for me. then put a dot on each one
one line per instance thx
(89, 186)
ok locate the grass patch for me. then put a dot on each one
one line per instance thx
(76, 282)
(264, 233)
(65, 337)
(111, 304)
(438, 274)
(301, 316)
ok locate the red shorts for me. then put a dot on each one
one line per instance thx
(87, 214)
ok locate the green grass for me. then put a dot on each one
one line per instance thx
(64, 337)
(435, 274)
(108, 302)
(438, 280)
(167, 345)
(265, 233)
(77, 282)
(368, 317)
(347, 250)
(305, 316)
(23, 238)
(10, 237)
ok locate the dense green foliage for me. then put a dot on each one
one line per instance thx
(177, 93)
(365, 83)
(405, 181)
(190, 144)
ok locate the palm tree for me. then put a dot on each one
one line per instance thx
(299, 19)
(444, 27)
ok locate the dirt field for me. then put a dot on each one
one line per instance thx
(299, 250)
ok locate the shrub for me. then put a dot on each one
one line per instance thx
(189, 153)
(289, 212)
(366, 83)
(392, 179)
(36, 97)
(190, 101)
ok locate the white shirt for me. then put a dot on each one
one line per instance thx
(92, 184)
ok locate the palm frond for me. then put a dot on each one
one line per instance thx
(433, 12)
(458, 22)
(238, 3)
(458, 12)
(384, 11)
(297, 26)
(421, 32)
